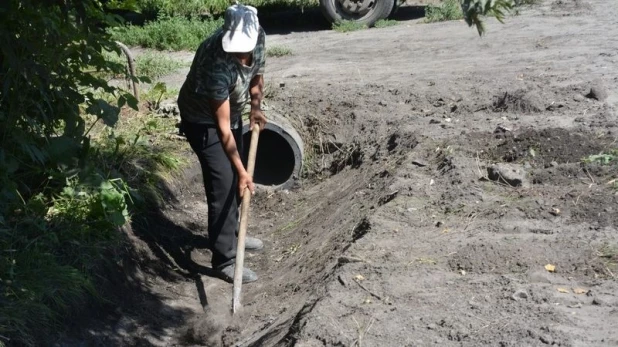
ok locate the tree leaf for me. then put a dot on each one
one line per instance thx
(122, 101)
(105, 111)
(132, 102)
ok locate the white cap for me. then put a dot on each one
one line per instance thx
(241, 29)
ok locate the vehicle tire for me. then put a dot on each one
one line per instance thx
(362, 11)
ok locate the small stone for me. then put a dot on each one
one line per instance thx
(546, 340)
(281, 85)
(598, 302)
(342, 280)
(597, 91)
(579, 98)
(432, 326)
(511, 174)
(434, 121)
(439, 224)
(553, 163)
(520, 295)
(382, 103)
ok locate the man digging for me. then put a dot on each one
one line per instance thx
(226, 74)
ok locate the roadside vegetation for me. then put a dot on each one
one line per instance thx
(167, 33)
(447, 10)
(348, 25)
(385, 23)
(278, 51)
(76, 161)
(151, 65)
(189, 8)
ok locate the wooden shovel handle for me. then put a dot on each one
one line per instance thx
(244, 216)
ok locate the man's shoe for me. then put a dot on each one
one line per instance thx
(253, 244)
(227, 274)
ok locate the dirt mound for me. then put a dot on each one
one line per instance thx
(542, 147)
(570, 7)
(394, 235)
(517, 256)
(521, 100)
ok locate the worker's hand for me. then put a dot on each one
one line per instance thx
(257, 116)
(245, 181)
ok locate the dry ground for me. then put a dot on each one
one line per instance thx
(398, 236)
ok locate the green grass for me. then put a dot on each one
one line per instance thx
(168, 33)
(448, 10)
(152, 65)
(54, 246)
(278, 51)
(189, 8)
(385, 23)
(347, 26)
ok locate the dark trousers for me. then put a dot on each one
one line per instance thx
(221, 185)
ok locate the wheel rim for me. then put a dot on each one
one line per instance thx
(356, 8)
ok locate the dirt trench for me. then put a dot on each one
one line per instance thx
(446, 198)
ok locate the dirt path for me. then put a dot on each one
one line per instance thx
(401, 236)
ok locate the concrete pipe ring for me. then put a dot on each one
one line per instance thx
(279, 154)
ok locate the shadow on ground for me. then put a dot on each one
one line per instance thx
(311, 19)
(134, 309)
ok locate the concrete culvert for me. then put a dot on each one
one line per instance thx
(279, 155)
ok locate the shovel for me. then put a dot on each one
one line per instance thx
(244, 215)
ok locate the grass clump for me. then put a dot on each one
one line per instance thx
(524, 2)
(168, 33)
(190, 8)
(151, 65)
(348, 25)
(278, 51)
(385, 23)
(141, 149)
(448, 10)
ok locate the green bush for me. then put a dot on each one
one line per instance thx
(65, 172)
(168, 33)
(448, 10)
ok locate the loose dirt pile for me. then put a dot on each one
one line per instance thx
(405, 230)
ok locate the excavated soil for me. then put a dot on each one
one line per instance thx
(396, 236)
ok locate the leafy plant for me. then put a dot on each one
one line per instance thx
(474, 9)
(607, 158)
(61, 199)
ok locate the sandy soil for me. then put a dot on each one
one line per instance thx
(445, 175)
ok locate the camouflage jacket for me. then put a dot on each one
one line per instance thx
(218, 75)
